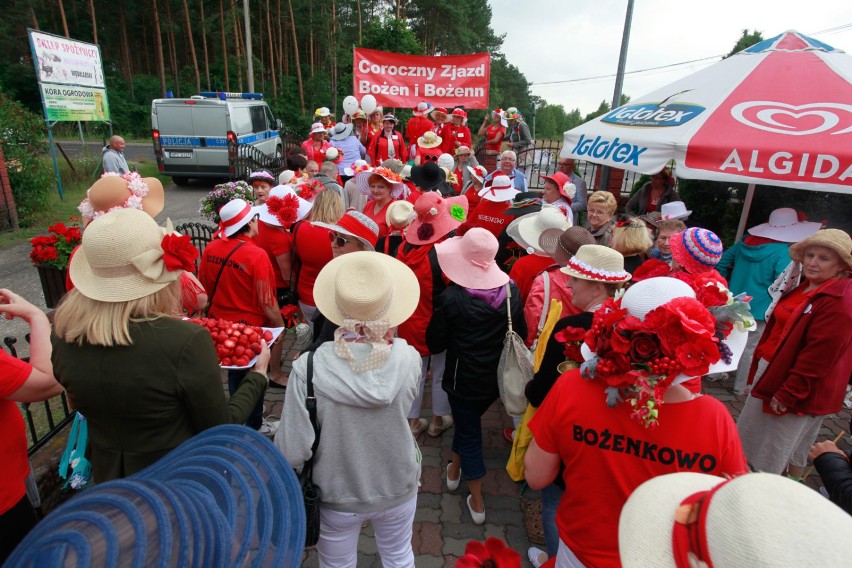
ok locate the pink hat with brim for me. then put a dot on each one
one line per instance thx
(469, 260)
(394, 180)
(436, 217)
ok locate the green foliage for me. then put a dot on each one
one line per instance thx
(746, 40)
(711, 206)
(23, 136)
(390, 35)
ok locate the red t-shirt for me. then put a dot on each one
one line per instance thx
(313, 248)
(13, 442)
(491, 132)
(247, 284)
(379, 217)
(607, 455)
(489, 215)
(276, 242)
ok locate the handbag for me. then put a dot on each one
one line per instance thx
(309, 492)
(515, 369)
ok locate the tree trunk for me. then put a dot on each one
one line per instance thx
(280, 39)
(62, 17)
(296, 52)
(94, 21)
(311, 37)
(224, 43)
(161, 67)
(358, 3)
(170, 34)
(125, 49)
(271, 50)
(204, 42)
(332, 44)
(192, 46)
(33, 17)
(237, 37)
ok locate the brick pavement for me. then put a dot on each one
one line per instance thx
(442, 524)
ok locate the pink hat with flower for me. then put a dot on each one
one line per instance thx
(436, 217)
(469, 260)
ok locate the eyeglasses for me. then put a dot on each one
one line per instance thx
(338, 240)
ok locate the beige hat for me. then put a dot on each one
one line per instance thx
(129, 190)
(835, 239)
(757, 519)
(429, 140)
(121, 258)
(598, 264)
(366, 286)
(527, 229)
(400, 214)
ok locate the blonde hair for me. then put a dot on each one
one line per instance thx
(632, 238)
(82, 320)
(327, 207)
(606, 199)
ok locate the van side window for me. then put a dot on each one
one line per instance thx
(240, 120)
(269, 118)
(258, 119)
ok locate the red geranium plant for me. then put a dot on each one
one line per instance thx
(55, 248)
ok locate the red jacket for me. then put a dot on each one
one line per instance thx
(453, 134)
(525, 269)
(423, 260)
(378, 149)
(812, 365)
(416, 127)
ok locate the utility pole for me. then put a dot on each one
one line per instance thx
(619, 81)
(249, 64)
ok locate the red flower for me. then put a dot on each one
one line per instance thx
(644, 346)
(710, 294)
(651, 268)
(179, 253)
(696, 356)
(286, 209)
(570, 334)
(493, 554)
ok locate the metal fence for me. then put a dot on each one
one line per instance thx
(249, 158)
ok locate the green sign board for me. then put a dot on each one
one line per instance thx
(63, 102)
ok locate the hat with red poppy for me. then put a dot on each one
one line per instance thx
(356, 224)
(469, 260)
(397, 187)
(499, 188)
(436, 217)
(566, 189)
(283, 207)
(696, 250)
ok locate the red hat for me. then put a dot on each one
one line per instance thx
(436, 217)
(567, 189)
(459, 112)
(356, 224)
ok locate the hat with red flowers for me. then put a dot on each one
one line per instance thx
(696, 250)
(436, 217)
(284, 207)
(563, 183)
(394, 181)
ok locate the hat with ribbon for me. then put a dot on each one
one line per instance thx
(674, 210)
(689, 519)
(696, 250)
(400, 214)
(429, 140)
(234, 215)
(598, 264)
(357, 166)
(527, 229)
(469, 260)
(499, 188)
(834, 239)
(322, 112)
(436, 217)
(355, 224)
(113, 191)
(318, 128)
(428, 176)
(393, 180)
(284, 207)
(422, 108)
(341, 131)
(563, 183)
(225, 497)
(561, 246)
(478, 173)
(784, 225)
(359, 115)
(524, 203)
(124, 256)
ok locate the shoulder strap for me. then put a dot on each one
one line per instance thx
(509, 305)
(545, 307)
(219, 274)
(311, 404)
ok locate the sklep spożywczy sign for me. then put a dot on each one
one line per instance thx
(398, 80)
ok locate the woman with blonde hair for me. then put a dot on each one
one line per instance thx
(600, 209)
(312, 247)
(145, 380)
(631, 239)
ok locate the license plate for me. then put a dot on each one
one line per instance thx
(180, 154)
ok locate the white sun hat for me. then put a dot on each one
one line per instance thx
(527, 229)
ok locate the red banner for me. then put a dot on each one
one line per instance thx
(398, 80)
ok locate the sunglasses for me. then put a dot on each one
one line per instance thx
(430, 158)
(338, 240)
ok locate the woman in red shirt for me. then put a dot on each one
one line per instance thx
(382, 186)
(386, 144)
(494, 134)
(456, 133)
(316, 145)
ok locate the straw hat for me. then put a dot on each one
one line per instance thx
(598, 264)
(128, 190)
(696, 250)
(436, 217)
(429, 140)
(355, 224)
(357, 167)
(835, 239)
(428, 176)
(674, 210)
(784, 226)
(562, 245)
(463, 150)
(399, 214)
(273, 217)
(469, 260)
(317, 128)
(394, 180)
(121, 258)
(393, 165)
(366, 286)
(341, 131)
(359, 115)
(527, 230)
(692, 519)
(499, 188)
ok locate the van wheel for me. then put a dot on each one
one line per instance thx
(180, 180)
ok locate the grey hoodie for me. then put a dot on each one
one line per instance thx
(367, 459)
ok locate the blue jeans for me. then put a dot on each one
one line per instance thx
(550, 497)
(467, 436)
(255, 419)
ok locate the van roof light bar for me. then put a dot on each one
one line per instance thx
(230, 95)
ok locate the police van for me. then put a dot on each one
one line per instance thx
(200, 137)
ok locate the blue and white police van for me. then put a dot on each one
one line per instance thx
(199, 137)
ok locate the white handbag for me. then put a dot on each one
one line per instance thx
(515, 369)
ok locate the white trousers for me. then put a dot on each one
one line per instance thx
(440, 402)
(339, 532)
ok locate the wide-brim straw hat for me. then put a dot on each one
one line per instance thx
(674, 210)
(436, 217)
(835, 239)
(696, 250)
(469, 260)
(355, 224)
(280, 191)
(429, 140)
(598, 264)
(121, 258)
(399, 214)
(784, 226)
(428, 176)
(499, 188)
(394, 180)
(341, 131)
(112, 191)
(562, 245)
(357, 166)
(527, 230)
(366, 286)
(755, 519)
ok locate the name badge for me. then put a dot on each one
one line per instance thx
(394, 137)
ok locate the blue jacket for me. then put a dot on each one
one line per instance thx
(755, 268)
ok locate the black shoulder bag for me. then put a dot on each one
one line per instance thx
(312, 513)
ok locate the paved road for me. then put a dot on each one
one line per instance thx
(134, 152)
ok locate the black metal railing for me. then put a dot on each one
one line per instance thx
(200, 234)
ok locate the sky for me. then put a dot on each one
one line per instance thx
(562, 40)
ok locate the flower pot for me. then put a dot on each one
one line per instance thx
(52, 283)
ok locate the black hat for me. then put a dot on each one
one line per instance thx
(428, 176)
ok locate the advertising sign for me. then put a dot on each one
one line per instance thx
(398, 80)
(62, 102)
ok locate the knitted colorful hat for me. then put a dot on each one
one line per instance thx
(696, 250)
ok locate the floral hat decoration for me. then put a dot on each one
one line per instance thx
(308, 189)
(284, 207)
(663, 332)
(221, 195)
(437, 216)
(122, 191)
(398, 188)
